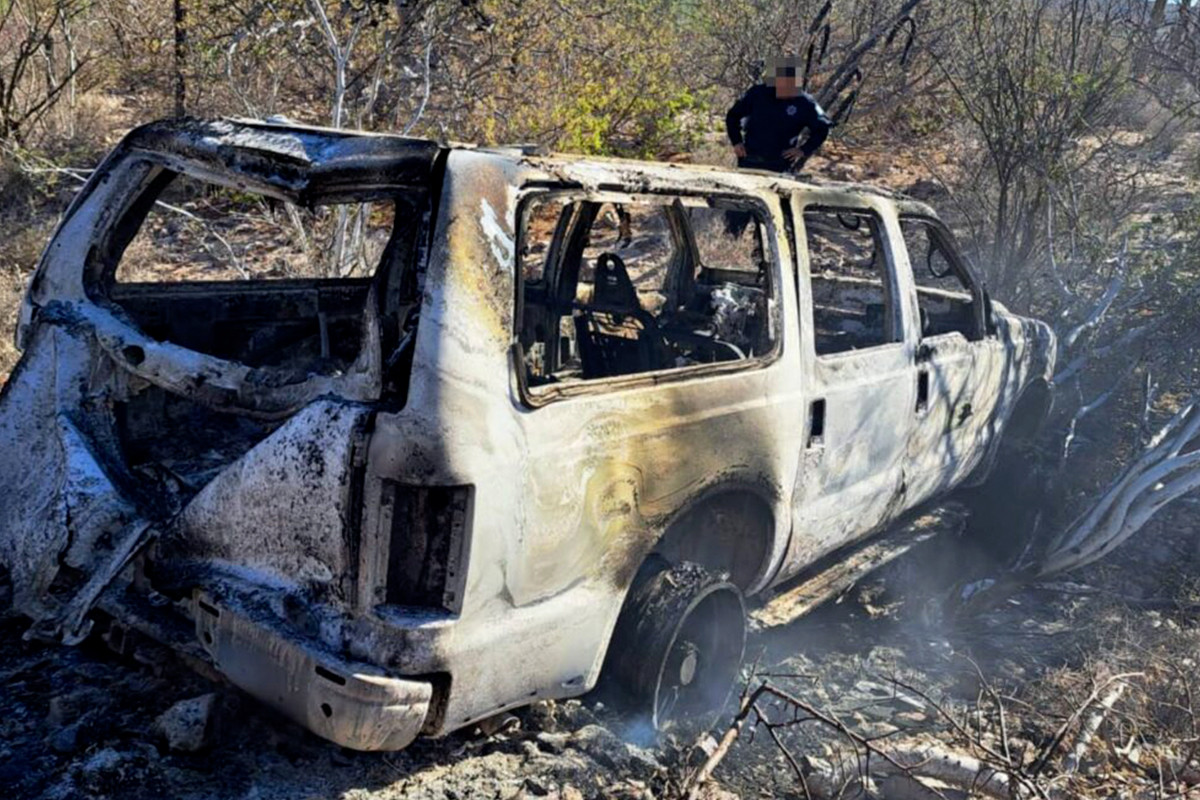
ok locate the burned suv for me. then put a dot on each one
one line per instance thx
(397, 435)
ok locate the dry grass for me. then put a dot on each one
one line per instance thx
(20, 255)
(30, 202)
(27, 217)
(10, 298)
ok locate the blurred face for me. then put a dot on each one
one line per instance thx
(784, 74)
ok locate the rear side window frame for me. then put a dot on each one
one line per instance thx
(146, 173)
(102, 263)
(532, 398)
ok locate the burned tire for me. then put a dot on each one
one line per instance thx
(678, 644)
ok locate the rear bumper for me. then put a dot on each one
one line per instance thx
(352, 704)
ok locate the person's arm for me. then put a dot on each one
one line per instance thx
(818, 125)
(733, 123)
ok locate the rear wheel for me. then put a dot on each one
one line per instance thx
(678, 644)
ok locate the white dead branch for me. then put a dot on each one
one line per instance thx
(340, 52)
(427, 84)
(1091, 725)
(934, 762)
(1064, 292)
(1070, 337)
(1088, 408)
(1102, 306)
(1167, 469)
(1120, 345)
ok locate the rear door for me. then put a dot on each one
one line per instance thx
(859, 417)
(650, 334)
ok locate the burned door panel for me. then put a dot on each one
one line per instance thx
(952, 422)
(852, 474)
(851, 470)
(961, 365)
(642, 449)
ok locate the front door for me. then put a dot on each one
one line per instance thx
(959, 364)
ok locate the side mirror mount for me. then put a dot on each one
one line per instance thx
(989, 313)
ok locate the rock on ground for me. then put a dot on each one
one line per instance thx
(187, 725)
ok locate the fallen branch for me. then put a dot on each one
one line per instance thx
(1168, 469)
(693, 785)
(1056, 740)
(1090, 726)
(956, 769)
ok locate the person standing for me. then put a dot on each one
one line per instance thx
(774, 114)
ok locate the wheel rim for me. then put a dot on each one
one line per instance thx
(698, 668)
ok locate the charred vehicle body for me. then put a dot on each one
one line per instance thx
(530, 405)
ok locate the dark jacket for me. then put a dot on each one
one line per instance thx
(773, 125)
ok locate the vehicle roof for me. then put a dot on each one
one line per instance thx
(765, 177)
(296, 160)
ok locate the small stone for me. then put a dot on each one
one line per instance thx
(57, 712)
(642, 759)
(552, 742)
(187, 725)
(536, 787)
(910, 718)
(106, 760)
(569, 792)
(65, 740)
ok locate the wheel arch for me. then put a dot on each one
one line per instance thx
(689, 529)
(1031, 410)
(731, 528)
(1024, 422)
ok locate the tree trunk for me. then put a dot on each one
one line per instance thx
(181, 45)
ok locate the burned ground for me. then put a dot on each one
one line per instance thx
(81, 722)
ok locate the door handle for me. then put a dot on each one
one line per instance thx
(816, 423)
(925, 352)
